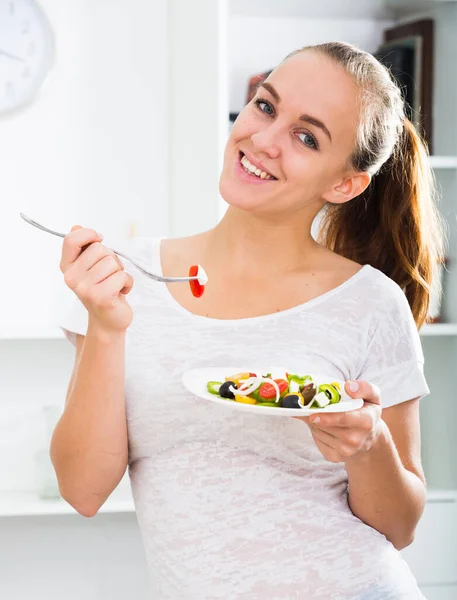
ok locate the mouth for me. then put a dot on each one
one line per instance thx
(254, 170)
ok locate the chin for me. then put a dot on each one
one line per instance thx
(238, 198)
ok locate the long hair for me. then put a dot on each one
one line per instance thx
(394, 225)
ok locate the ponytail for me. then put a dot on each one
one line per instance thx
(394, 224)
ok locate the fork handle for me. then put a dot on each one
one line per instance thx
(147, 273)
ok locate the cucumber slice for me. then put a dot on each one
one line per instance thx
(301, 380)
(255, 394)
(213, 387)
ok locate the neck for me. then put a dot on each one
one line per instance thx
(256, 243)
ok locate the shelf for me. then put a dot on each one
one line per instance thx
(437, 329)
(28, 504)
(28, 333)
(443, 162)
(441, 496)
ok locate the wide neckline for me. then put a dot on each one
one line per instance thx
(168, 296)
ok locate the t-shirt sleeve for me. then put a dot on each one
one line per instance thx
(73, 319)
(393, 359)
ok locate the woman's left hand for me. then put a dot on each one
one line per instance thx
(342, 436)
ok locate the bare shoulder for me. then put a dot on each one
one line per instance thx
(335, 263)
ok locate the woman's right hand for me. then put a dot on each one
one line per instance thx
(96, 275)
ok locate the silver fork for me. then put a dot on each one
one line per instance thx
(139, 267)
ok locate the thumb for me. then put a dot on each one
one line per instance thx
(75, 227)
(363, 389)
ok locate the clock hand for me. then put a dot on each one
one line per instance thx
(11, 56)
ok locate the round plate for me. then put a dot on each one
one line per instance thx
(195, 381)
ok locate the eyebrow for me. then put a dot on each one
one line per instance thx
(306, 118)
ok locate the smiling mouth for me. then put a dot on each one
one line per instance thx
(254, 171)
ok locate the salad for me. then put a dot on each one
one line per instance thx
(277, 389)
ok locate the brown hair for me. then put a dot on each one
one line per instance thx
(394, 224)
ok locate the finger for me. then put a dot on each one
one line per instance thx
(117, 283)
(348, 437)
(74, 243)
(75, 227)
(363, 389)
(105, 293)
(333, 443)
(105, 267)
(129, 281)
(80, 271)
(343, 419)
(92, 255)
(362, 418)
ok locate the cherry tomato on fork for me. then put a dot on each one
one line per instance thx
(196, 287)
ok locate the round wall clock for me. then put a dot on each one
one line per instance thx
(26, 52)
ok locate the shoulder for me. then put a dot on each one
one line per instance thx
(391, 314)
(387, 292)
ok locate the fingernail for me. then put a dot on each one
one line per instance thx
(316, 420)
(100, 235)
(353, 386)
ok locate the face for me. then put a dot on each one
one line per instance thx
(298, 132)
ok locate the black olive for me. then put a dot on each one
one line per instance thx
(290, 401)
(224, 391)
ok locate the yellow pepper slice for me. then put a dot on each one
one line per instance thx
(236, 378)
(245, 399)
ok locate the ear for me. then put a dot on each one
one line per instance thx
(348, 188)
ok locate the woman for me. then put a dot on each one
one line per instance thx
(237, 505)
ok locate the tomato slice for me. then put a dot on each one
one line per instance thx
(196, 287)
(267, 390)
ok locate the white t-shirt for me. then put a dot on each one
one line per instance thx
(235, 505)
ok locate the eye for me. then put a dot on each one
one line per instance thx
(264, 106)
(309, 140)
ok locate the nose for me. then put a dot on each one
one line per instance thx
(266, 141)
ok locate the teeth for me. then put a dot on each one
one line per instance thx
(250, 168)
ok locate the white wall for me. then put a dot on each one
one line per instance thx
(198, 111)
(276, 37)
(92, 150)
(99, 148)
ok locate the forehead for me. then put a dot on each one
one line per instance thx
(311, 83)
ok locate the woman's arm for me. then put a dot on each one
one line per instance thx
(386, 483)
(89, 448)
(382, 458)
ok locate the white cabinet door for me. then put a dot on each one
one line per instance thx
(92, 150)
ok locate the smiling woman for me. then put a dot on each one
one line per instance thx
(241, 505)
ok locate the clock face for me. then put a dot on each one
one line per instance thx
(26, 52)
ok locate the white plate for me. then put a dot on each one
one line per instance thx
(195, 381)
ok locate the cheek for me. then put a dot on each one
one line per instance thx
(244, 126)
